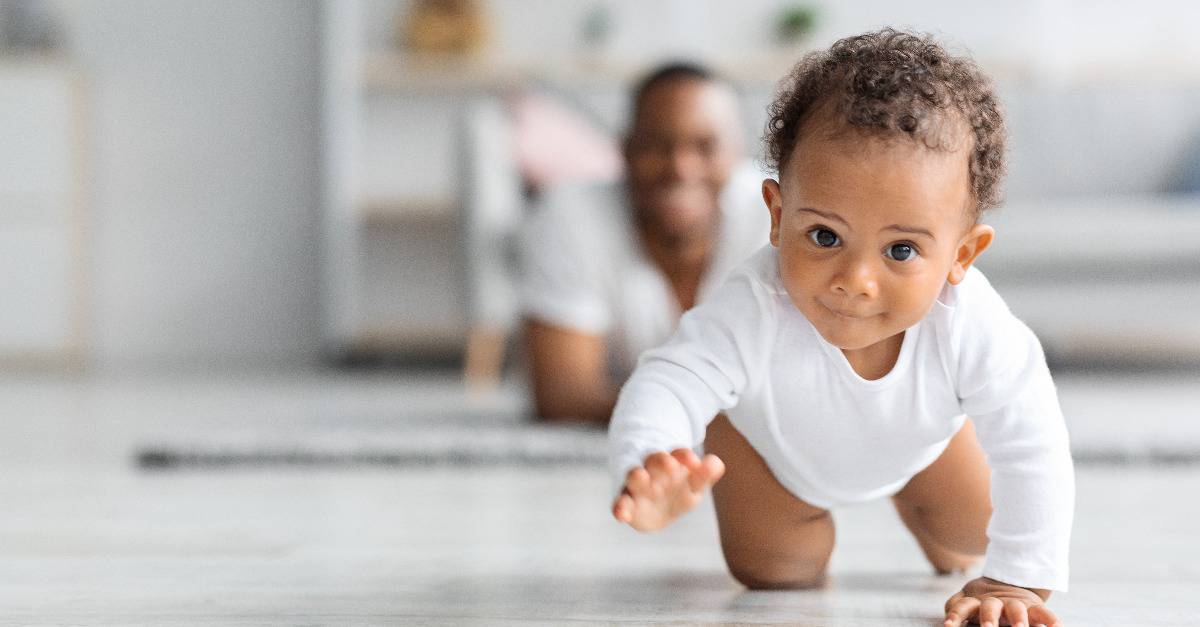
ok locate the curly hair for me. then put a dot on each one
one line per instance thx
(894, 83)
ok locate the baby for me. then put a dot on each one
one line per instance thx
(840, 363)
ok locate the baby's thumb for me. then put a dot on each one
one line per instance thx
(622, 508)
(713, 468)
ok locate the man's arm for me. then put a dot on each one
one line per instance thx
(569, 374)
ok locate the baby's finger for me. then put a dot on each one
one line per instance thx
(663, 468)
(654, 472)
(623, 508)
(687, 457)
(989, 612)
(961, 611)
(705, 473)
(698, 480)
(637, 482)
(1040, 614)
(1014, 610)
(713, 467)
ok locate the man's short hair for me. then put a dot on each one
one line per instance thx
(671, 72)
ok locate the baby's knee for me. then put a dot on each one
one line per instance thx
(776, 573)
(954, 530)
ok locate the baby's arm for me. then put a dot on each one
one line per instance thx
(662, 413)
(664, 409)
(1006, 388)
(1032, 496)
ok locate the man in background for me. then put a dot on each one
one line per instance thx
(609, 268)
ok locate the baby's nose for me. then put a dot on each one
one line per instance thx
(857, 278)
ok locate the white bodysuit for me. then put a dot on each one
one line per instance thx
(833, 438)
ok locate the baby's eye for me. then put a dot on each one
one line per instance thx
(823, 237)
(901, 252)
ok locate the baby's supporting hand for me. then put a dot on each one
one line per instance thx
(987, 601)
(665, 487)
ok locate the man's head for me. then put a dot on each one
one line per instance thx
(684, 141)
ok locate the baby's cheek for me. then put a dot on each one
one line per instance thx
(798, 294)
(915, 303)
(797, 277)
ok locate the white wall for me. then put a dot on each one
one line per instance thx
(1043, 39)
(203, 192)
(203, 135)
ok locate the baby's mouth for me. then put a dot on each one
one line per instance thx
(844, 315)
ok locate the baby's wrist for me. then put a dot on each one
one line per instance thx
(1042, 593)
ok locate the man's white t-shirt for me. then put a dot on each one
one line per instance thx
(584, 267)
(833, 438)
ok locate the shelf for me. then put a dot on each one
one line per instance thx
(397, 72)
(418, 341)
(37, 62)
(393, 213)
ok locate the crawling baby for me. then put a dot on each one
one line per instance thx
(861, 355)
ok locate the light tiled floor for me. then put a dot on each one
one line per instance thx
(87, 539)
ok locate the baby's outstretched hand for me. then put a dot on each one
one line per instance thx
(665, 487)
(992, 603)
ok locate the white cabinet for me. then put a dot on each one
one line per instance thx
(41, 218)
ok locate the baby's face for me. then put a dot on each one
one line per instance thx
(869, 231)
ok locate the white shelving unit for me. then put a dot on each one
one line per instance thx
(42, 269)
(394, 281)
(403, 271)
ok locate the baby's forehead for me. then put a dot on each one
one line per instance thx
(878, 178)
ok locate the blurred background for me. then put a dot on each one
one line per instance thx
(293, 184)
(276, 237)
(268, 189)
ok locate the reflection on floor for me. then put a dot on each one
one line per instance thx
(87, 538)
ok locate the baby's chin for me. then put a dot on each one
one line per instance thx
(850, 341)
(857, 335)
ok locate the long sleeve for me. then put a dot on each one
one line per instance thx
(679, 387)
(1033, 490)
(1006, 387)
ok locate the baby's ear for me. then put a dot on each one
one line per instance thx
(773, 197)
(969, 248)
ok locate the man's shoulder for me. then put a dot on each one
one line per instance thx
(584, 218)
(595, 202)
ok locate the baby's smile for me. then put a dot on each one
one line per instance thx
(846, 314)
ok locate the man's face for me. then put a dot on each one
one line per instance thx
(868, 233)
(684, 142)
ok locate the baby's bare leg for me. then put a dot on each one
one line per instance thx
(770, 538)
(947, 506)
